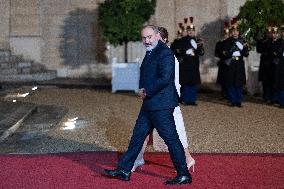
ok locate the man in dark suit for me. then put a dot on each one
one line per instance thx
(157, 89)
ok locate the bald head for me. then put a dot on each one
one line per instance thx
(153, 27)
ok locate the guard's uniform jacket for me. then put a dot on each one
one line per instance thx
(278, 61)
(176, 47)
(189, 66)
(236, 75)
(265, 73)
(222, 67)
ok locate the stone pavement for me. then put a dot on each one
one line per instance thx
(68, 120)
(12, 116)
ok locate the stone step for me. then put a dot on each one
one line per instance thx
(9, 71)
(4, 55)
(13, 68)
(37, 68)
(39, 76)
(4, 59)
(27, 67)
(16, 58)
(26, 64)
(5, 52)
(6, 65)
(11, 58)
(21, 64)
(27, 70)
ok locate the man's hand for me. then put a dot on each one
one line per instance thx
(142, 93)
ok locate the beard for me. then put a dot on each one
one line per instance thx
(150, 47)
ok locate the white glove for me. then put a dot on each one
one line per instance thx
(193, 43)
(189, 52)
(240, 46)
(236, 53)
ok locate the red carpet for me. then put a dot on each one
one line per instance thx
(83, 170)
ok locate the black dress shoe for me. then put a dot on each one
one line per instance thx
(179, 180)
(183, 103)
(232, 105)
(239, 105)
(118, 173)
(192, 104)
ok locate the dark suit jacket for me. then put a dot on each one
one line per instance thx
(157, 75)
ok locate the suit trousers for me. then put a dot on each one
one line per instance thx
(189, 93)
(163, 122)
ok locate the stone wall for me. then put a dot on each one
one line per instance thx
(70, 35)
(64, 34)
(25, 29)
(4, 24)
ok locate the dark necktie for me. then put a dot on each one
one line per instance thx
(147, 55)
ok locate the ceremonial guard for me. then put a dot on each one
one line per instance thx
(222, 67)
(234, 49)
(278, 49)
(176, 45)
(266, 65)
(191, 48)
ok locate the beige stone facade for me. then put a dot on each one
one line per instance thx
(4, 24)
(64, 35)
